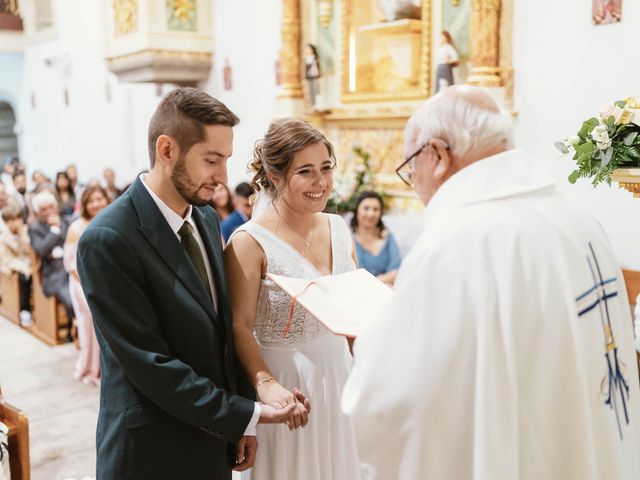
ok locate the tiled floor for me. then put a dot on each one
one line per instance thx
(62, 411)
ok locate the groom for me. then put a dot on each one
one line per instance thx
(152, 272)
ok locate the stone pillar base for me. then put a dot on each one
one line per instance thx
(290, 91)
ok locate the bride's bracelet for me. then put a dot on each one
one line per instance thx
(266, 380)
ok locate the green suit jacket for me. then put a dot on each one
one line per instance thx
(168, 407)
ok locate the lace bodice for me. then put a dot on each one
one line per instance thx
(272, 312)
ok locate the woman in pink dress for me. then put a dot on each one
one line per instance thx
(94, 198)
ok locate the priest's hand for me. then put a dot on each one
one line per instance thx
(246, 453)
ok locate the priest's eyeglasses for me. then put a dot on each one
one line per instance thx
(406, 168)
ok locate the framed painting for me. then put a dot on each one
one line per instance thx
(606, 11)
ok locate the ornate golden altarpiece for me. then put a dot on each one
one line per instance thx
(377, 70)
(139, 32)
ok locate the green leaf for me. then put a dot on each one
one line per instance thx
(620, 103)
(573, 176)
(606, 157)
(610, 122)
(628, 140)
(587, 127)
(586, 148)
(562, 147)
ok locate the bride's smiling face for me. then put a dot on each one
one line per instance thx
(309, 179)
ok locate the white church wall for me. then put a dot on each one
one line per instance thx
(566, 70)
(104, 122)
(246, 33)
(11, 84)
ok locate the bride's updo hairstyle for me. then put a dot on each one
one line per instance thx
(274, 153)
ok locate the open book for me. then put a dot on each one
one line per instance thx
(344, 303)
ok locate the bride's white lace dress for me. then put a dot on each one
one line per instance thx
(309, 357)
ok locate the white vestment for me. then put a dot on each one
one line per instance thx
(507, 350)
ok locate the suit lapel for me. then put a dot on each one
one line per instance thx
(156, 230)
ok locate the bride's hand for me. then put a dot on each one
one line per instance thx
(274, 394)
(303, 408)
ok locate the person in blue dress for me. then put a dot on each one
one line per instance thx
(376, 248)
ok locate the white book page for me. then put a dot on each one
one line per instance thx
(344, 303)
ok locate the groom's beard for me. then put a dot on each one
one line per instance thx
(186, 188)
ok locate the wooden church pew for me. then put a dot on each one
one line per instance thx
(632, 281)
(18, 424)
(10, 288)
(49, 316)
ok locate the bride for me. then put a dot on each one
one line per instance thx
(283, 349)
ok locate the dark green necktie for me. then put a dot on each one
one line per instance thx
(192, 248)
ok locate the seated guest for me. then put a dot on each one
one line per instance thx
(14, 256)
(222, 201)
(110, 184)
(65, 194)
(242, 212)
(20, 185)
(40, 182)
(72, 175)
(3, 203)
(94, 198)
(376, 248)
(47, 235)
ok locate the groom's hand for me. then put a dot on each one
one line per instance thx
(246, 453)
(269, 414)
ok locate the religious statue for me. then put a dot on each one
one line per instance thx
(397, 9)
(447, 58)
(312, 72)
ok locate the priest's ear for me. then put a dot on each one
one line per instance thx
(443, 168)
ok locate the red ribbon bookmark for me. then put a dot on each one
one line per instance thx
(294, 300)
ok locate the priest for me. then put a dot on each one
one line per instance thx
(506, 351)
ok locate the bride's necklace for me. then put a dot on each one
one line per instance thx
(308, 238)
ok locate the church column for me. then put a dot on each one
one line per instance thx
(290, 54)
(485, 41)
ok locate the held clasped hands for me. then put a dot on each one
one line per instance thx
(279, 405)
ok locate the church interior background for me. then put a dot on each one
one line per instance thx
(79, 80)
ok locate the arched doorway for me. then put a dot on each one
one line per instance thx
(8, 139)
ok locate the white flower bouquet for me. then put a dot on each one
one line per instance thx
(606, 142)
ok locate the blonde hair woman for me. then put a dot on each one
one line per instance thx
(93, 200)
(280, 351)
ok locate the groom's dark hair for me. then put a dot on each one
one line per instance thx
(182, 115)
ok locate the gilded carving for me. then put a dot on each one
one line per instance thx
(14, 8)
(125, 16)
(485, 37)
(384, 145)
(290, 53)
(506, 52)
(325, 12)
(181, 15)
(403, 78)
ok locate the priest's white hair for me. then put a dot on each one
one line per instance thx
(42, 198)
(464, 117)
